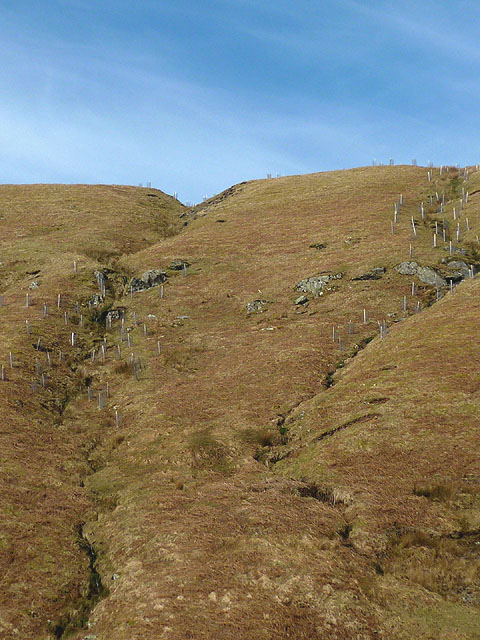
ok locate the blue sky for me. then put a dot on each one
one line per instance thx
(195, 96)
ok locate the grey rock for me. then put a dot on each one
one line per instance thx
(115, 314)
(256, 306)
(407, 268)
(34, 285)
(96, 300)
(315, 284)
(460, 265)
(178, 264)
(458, 271)
(424, 274)
(151, 278)
(430, 276)
(301, 300)
(378, 270)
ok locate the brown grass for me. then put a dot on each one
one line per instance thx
(203, 540)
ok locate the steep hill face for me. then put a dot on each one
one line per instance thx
(210, 457)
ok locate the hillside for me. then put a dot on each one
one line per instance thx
(277, 440)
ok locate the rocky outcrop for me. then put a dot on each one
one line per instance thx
(256, 306)
(96, 300)
(316, 284)
(427, 275)
(115, 314)
(151, 278)
(430, 276)
(458, 270)
(178, 264)
(407, 268)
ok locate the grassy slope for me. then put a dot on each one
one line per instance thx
(206, 536)
(43, 229)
